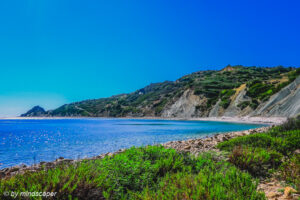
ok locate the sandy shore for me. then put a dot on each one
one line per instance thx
(250, 120)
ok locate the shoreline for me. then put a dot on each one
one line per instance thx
(193, 146)
(244, 120)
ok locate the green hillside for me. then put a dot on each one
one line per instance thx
(210, 86)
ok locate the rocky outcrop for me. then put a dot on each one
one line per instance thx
(233, 109)
(214, 112)
(284, 103)
(185, 106)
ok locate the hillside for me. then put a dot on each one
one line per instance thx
(232, 91)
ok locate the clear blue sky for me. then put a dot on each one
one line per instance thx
(59, 51)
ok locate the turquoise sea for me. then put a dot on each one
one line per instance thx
(31, 141)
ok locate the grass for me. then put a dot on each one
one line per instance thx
(151, 172)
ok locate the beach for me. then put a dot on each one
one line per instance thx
(245, 119)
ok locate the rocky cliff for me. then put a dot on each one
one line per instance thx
(285, 103)
(233, 91)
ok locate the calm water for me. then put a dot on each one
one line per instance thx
(32, 141)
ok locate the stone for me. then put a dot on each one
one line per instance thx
(272, 195)
(288, 191)
(187, 147)
(49, 164)
(2, 174)
(14, 169)
(297, 151)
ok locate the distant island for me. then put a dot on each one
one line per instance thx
(234, 91)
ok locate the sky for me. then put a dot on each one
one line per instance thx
(54, 52)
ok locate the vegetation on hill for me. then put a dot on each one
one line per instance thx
(209, 85)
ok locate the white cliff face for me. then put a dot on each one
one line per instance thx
(214, 112)
(184, 107)
(285, 103)
(233, 109)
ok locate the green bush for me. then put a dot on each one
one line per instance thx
(290, 124)
(224, 183)
(225, 103)
(262, 140)
(254, 104)
(225, 97)
(243, 104)
(257, 161)
(290, 171)
(283, 142)
(134, 172)
(293, 74)
(263, 152)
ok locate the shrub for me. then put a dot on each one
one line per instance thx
(283, 142)
(243, 104)
(212, 182)
(293, 74)
(262, 140)
(257, 161)
(290, 171)
(225, 103)
(133, 172)
(225, 97)
(254, 104)
(290, 124)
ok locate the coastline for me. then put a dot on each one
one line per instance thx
(244, 120)
(193, 146)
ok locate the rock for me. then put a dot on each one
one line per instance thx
(2, 174)
(14, 169)
(187, 147)
(23, 166)
(288, 191)
(272, 195)
(49, 164)
(271, 184)
(199, 143)
(284, 103)
(68, 160)
(297, 151)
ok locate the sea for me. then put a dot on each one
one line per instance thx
(30, 141)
